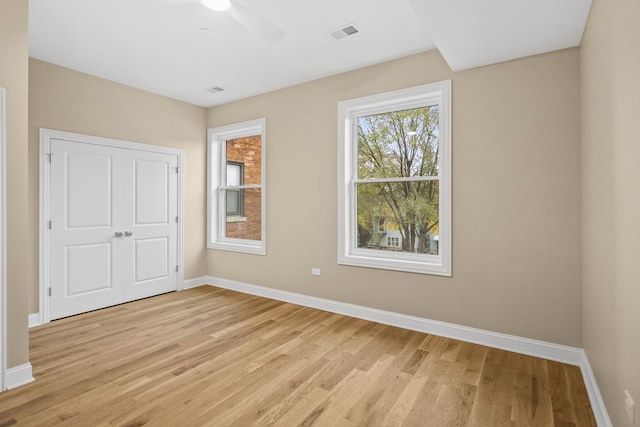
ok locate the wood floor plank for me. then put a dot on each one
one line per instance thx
(345, 395)
(400, 411)
(212, 357)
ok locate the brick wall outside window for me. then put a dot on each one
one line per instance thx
(248, 152)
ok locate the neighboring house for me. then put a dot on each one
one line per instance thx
(243, 205)
(389, 237)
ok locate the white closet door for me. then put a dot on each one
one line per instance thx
(114, 234)
(86, 213)
(151, 209)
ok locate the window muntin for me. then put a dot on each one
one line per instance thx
(236, 219)
(394, 166)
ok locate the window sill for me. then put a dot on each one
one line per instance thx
(429, 264)
(246, 248)
(236, 218)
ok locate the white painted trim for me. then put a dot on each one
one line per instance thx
(557, 352)
(20, 375)
(545, 350)
(3, 245)
(46, 135)
(438, 93)
(43, 235)
(597, 403)
(215, 210)
(180, 254)
(198, 281)
(34, 320)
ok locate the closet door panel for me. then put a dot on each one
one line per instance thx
(86, 212)
(151, 210)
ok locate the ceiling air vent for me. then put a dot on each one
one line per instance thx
(214, 89)
(347, 30)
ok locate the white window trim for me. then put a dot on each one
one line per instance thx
(348, 254)
(3, 245)
(216, 138)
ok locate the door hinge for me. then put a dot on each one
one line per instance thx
(49, 155)
(176, 219)
(49, 291)
(176, 268)
(49, 225)
(177, 169)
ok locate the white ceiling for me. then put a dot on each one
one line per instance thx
(159, 45)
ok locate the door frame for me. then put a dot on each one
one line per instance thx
(46, 135)
(3, 244)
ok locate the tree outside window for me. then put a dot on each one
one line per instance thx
(398, 158)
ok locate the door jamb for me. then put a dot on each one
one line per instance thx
(3, 244)
(46, 135)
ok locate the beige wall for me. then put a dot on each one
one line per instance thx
(67, 100)
(610, 67)
(14, 51)
(516, 196)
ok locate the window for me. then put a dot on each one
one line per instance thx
(235, 198)
(236, 187)
(394, 167)
(393, 242)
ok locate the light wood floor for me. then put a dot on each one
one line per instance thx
(213, 357)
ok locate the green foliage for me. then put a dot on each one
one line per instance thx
(397, 145)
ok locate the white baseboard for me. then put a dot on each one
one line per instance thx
(560, 353)
(597, 403)
(20, 375)
(34, 320)
(198, 281)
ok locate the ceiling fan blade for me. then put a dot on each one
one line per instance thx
(255, 23)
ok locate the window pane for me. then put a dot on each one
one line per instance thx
(235, 218)
(246, 151)
(234, 202)
(234, 174)
(398, 216)
(249, 225)
(399, 144)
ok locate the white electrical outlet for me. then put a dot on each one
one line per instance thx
(629, 406)
(315, 271)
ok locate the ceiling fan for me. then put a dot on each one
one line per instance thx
(254, 22)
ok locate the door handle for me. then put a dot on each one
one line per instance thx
(119, 233)
(128, 233)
